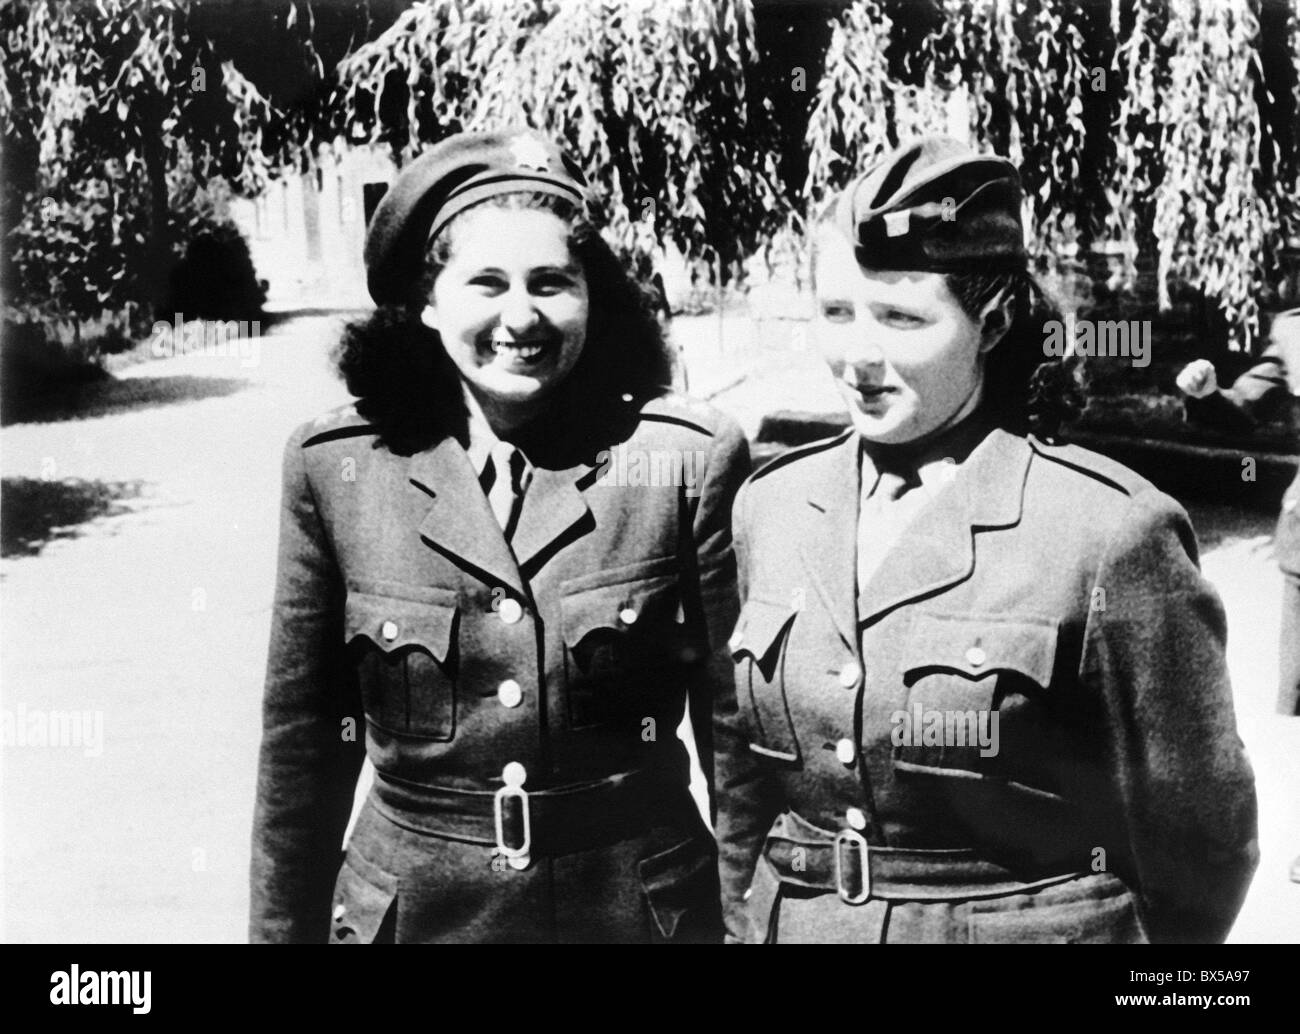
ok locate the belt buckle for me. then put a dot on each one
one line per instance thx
(852, 836)
(518, 857)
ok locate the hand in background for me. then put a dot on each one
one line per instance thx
(1198, 379)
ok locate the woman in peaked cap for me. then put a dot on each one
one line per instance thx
(984, 699)
(473, 593)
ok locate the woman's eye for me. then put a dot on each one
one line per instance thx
(551, 283)
(837, 312)
(488, 282)
(898, 318)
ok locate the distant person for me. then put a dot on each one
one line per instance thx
(981, 694)
(513, 625)
(1268, 389)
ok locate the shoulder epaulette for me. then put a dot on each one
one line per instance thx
(664, 418)
(330, 429)
(799, 452)
(355, 431)
(1093, 464)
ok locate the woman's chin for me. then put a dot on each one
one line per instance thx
(885, 428)
(511, 388)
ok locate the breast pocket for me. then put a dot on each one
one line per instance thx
(759, 647)
(404, 650)
(624, 645)
(961, 671)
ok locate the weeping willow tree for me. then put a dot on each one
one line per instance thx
(1139, 135)
(112, 114)
(649, 97)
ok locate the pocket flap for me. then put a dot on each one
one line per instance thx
(392, 623)
(621, 607)
(360, 905)
(759, 629)
(975, 646)
(678, 881)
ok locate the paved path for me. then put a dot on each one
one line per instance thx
(158, 619)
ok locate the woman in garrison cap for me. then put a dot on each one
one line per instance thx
(486, 588)
(984, 697)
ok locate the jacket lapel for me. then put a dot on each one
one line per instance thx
(937, 549)
(554, 513)
(459, 522)
(830, 546)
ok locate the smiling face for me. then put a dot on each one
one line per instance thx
(510, 306)
(906, 357)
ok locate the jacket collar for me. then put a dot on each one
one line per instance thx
(938, 548)
(459, 524)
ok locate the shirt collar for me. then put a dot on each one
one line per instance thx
(933, 463)
(482, 439)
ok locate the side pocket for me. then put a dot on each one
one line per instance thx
(1100, 920)
(361, 903)
(758, 647)
(762, 903)
(681, 889)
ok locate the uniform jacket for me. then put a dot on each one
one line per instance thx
(400, 607)
(1047, 585)
(1268, 389)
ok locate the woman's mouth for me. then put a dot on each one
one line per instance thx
(521, 353)
(871, 391)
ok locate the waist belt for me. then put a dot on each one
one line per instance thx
(523, 824)
(807, 856)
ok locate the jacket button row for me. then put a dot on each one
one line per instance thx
(510, 611)
(510, 693)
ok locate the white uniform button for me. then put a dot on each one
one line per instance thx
(736, 639)
(514, 774)
(856, 819)
(976, 657)
(510, 611)
(849, 675)
(510, 693)
(339, 912)
(389, 630)
(627, 615)
(846, 752)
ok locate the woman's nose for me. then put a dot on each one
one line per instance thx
(518, 312)
(864, 364)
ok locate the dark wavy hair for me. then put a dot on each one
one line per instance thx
(408, 387)
(1025, 391)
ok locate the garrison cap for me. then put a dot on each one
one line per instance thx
(454, 174)
(935, 205)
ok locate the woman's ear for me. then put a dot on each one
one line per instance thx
(995, 320)
(429, 317)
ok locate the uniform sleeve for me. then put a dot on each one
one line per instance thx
(747, 799)
(1185, 808)
(1258, 395)
(728, 466)
(308, 765)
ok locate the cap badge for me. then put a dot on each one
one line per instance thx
(896, 223)
(530, 154)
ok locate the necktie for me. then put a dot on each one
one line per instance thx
(506, 464)
(879, 522)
